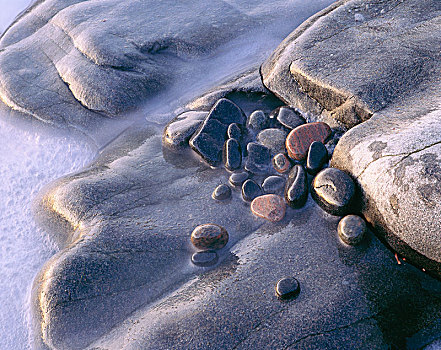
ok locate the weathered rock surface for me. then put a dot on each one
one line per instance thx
(178, 132)
(376, 62)
(126, 261)
(274, 139)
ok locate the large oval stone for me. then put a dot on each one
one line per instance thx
(296, 189)
(270, 207)
(209, 236)
(334, 191)
(299, 139)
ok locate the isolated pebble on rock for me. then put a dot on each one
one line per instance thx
(209, 236)
(351, 229)
(334, 191)
(300, 138)
(287, 288)
(221, 192)
(270, 207)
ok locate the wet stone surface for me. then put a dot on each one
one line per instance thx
(287, 288)
(274, 184)
(259, 158)
(251, 190)
(257, 121)
(270, 207)
(232, 154)
(237, 179)
(274, 139)
(281, 163)
(334, 191)
(351, 229)
(208, 140)
(288, 117)
(317, 157)
(221, 192)
(300, 138)
(209, 236)
(205, 259)
(296, 190)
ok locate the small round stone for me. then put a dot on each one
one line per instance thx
(287, 288)
(205, 258)
(221, 192)
(334, 191)
(257, 121)
(274, 139)
(299, 139)
(237, 179)
(281, 163)
(270, 207)
(351, 229)
(273, 184)
(234, 132)
(317, 157)
(209, 236)
(250, 190)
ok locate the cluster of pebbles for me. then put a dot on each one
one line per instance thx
(274, 160)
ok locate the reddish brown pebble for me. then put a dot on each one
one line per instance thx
(270, 207)
(299, 139)
(209, 236)
(281, 163)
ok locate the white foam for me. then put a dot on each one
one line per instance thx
(28, 161)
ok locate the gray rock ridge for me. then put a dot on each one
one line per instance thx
(123, 279)
(376, 64)
(76, 63)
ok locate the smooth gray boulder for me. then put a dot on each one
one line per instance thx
(379, 63)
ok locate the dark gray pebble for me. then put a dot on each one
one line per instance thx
(209, 138)
(281, 163)
(288, 117)
(317, 157)
(296, 189)
(287, 288)
(237, 179)
(232, 154)
(221, 192)
(274, 139)
(259, 158)
(234, 132)
(257, 121)
(251, 190)
(351, 229)
(273, 184)
(334, 191)
(205, 259)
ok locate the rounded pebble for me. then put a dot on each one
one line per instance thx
(232, 155)
(281, 163)
(351, 229)
(259, 158)
(270, 207)
(237, 179)
(317, 157)
(299, 139)
(273, 184)
(333, 190)
(288, 117)
(257, 121)
(296, 189)
(209, 236)
(221, 192)
(234, 132)
(287, 288)
(205, 258)
(250, 190)
(274, 139)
